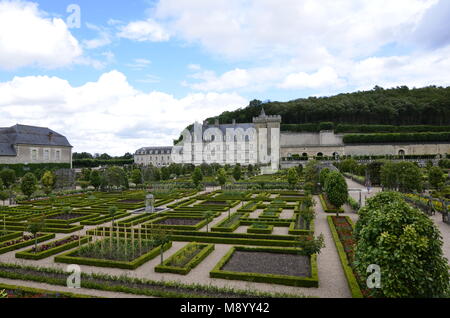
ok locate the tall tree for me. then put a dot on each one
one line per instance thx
(405, 244)
(292, 177)
(336, 189)
(28, 184)
(197, 176)
(48, 181)
(237, 172)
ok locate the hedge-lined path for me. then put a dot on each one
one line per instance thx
(62, 289)
(444, 228)
(355, 189)
(331, 275)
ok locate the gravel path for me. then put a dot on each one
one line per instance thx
(331, 275)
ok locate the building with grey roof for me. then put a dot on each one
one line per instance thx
(21, 144)
(157, 156)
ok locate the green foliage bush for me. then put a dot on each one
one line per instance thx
(406, 245)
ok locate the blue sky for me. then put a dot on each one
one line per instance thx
(137, 72)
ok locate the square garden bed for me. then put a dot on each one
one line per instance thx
(179, 223)
(118, 253)
(183, 261)
(268, 265)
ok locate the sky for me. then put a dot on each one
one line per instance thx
(115, 76)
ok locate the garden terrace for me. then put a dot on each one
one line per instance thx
(279, 266)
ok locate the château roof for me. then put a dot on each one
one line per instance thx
(29, 135)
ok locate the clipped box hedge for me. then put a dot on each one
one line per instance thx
(327, 207)
(10, 235)
(195, 227)
(312, 281)
(256, 230)
(17, 246)
(221, 227)
(165, 267)
(68, 258)
(348, 271)
(28, 254)
(294, 231)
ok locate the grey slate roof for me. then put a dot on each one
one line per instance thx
(154, 151)
(29, 135)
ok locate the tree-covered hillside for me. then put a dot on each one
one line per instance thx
(397, 106)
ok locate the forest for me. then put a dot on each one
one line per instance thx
(396, 106)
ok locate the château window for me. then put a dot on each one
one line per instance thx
(58, 155)
(34, 154)
(46, 154)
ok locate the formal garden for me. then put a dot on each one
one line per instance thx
(231, 233)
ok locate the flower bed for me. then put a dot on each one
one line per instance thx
(260, 228)
(174, 222)
(25, 240)
(183, 261)
(299, 227)
(341, 230)
(52, 248)
(268, 265)
(229, 224)
(327, 206)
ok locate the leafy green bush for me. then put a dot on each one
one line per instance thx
(406, 245)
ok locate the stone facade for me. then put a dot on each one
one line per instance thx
(157, 156)
(31, 145)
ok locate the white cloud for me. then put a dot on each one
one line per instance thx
(108, 115)
(325, 77)
(139, 64)
(29, 38)
(104, 37)
(143, 31)
(259, 29)
(418, 70)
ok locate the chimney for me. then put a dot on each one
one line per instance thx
(50, 135)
